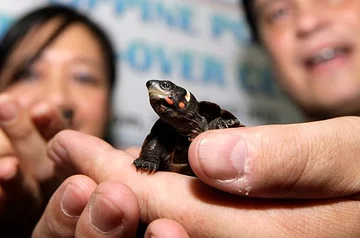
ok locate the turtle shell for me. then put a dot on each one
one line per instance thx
(212, 111)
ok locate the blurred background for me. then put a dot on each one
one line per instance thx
(202, 45)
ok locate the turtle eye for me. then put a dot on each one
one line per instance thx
(166, 85)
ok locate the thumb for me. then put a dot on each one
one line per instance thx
(307, 160)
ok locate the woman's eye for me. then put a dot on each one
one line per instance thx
(85, 78)
(28, 74)
(277, 14)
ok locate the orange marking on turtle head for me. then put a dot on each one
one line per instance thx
(169, 100)
(181, 105)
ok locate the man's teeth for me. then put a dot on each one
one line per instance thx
(325, 55)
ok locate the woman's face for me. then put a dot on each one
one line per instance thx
(70, 74)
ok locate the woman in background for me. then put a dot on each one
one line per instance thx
(57, 70)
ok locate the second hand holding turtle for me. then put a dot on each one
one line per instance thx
(182, 118)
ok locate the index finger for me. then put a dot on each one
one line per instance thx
(27, 142)
(160, 195)
(47, 120)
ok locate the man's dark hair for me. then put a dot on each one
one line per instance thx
(247, 6)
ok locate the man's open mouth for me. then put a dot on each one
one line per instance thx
(326, 54)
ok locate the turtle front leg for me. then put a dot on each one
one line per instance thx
(150, 156)
(221, 123)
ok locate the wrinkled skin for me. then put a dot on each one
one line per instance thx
(182, 118)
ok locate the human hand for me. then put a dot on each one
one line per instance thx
(27, 176)
(309, 160)
(81, 208)
(277, 156)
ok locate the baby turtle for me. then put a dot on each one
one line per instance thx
(182, 118)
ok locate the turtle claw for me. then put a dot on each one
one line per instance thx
(145, 165)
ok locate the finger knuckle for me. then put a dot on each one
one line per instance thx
(282, 160)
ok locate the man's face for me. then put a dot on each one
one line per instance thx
(315, 50)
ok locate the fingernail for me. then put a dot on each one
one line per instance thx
(71, 202)
(40, 108)
(222, 156)
(8, 109)
(101, 221)
(59, 154)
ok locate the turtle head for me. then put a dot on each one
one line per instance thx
(170, 101)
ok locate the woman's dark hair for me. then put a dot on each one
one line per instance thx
(247, 6)
(68, 16)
